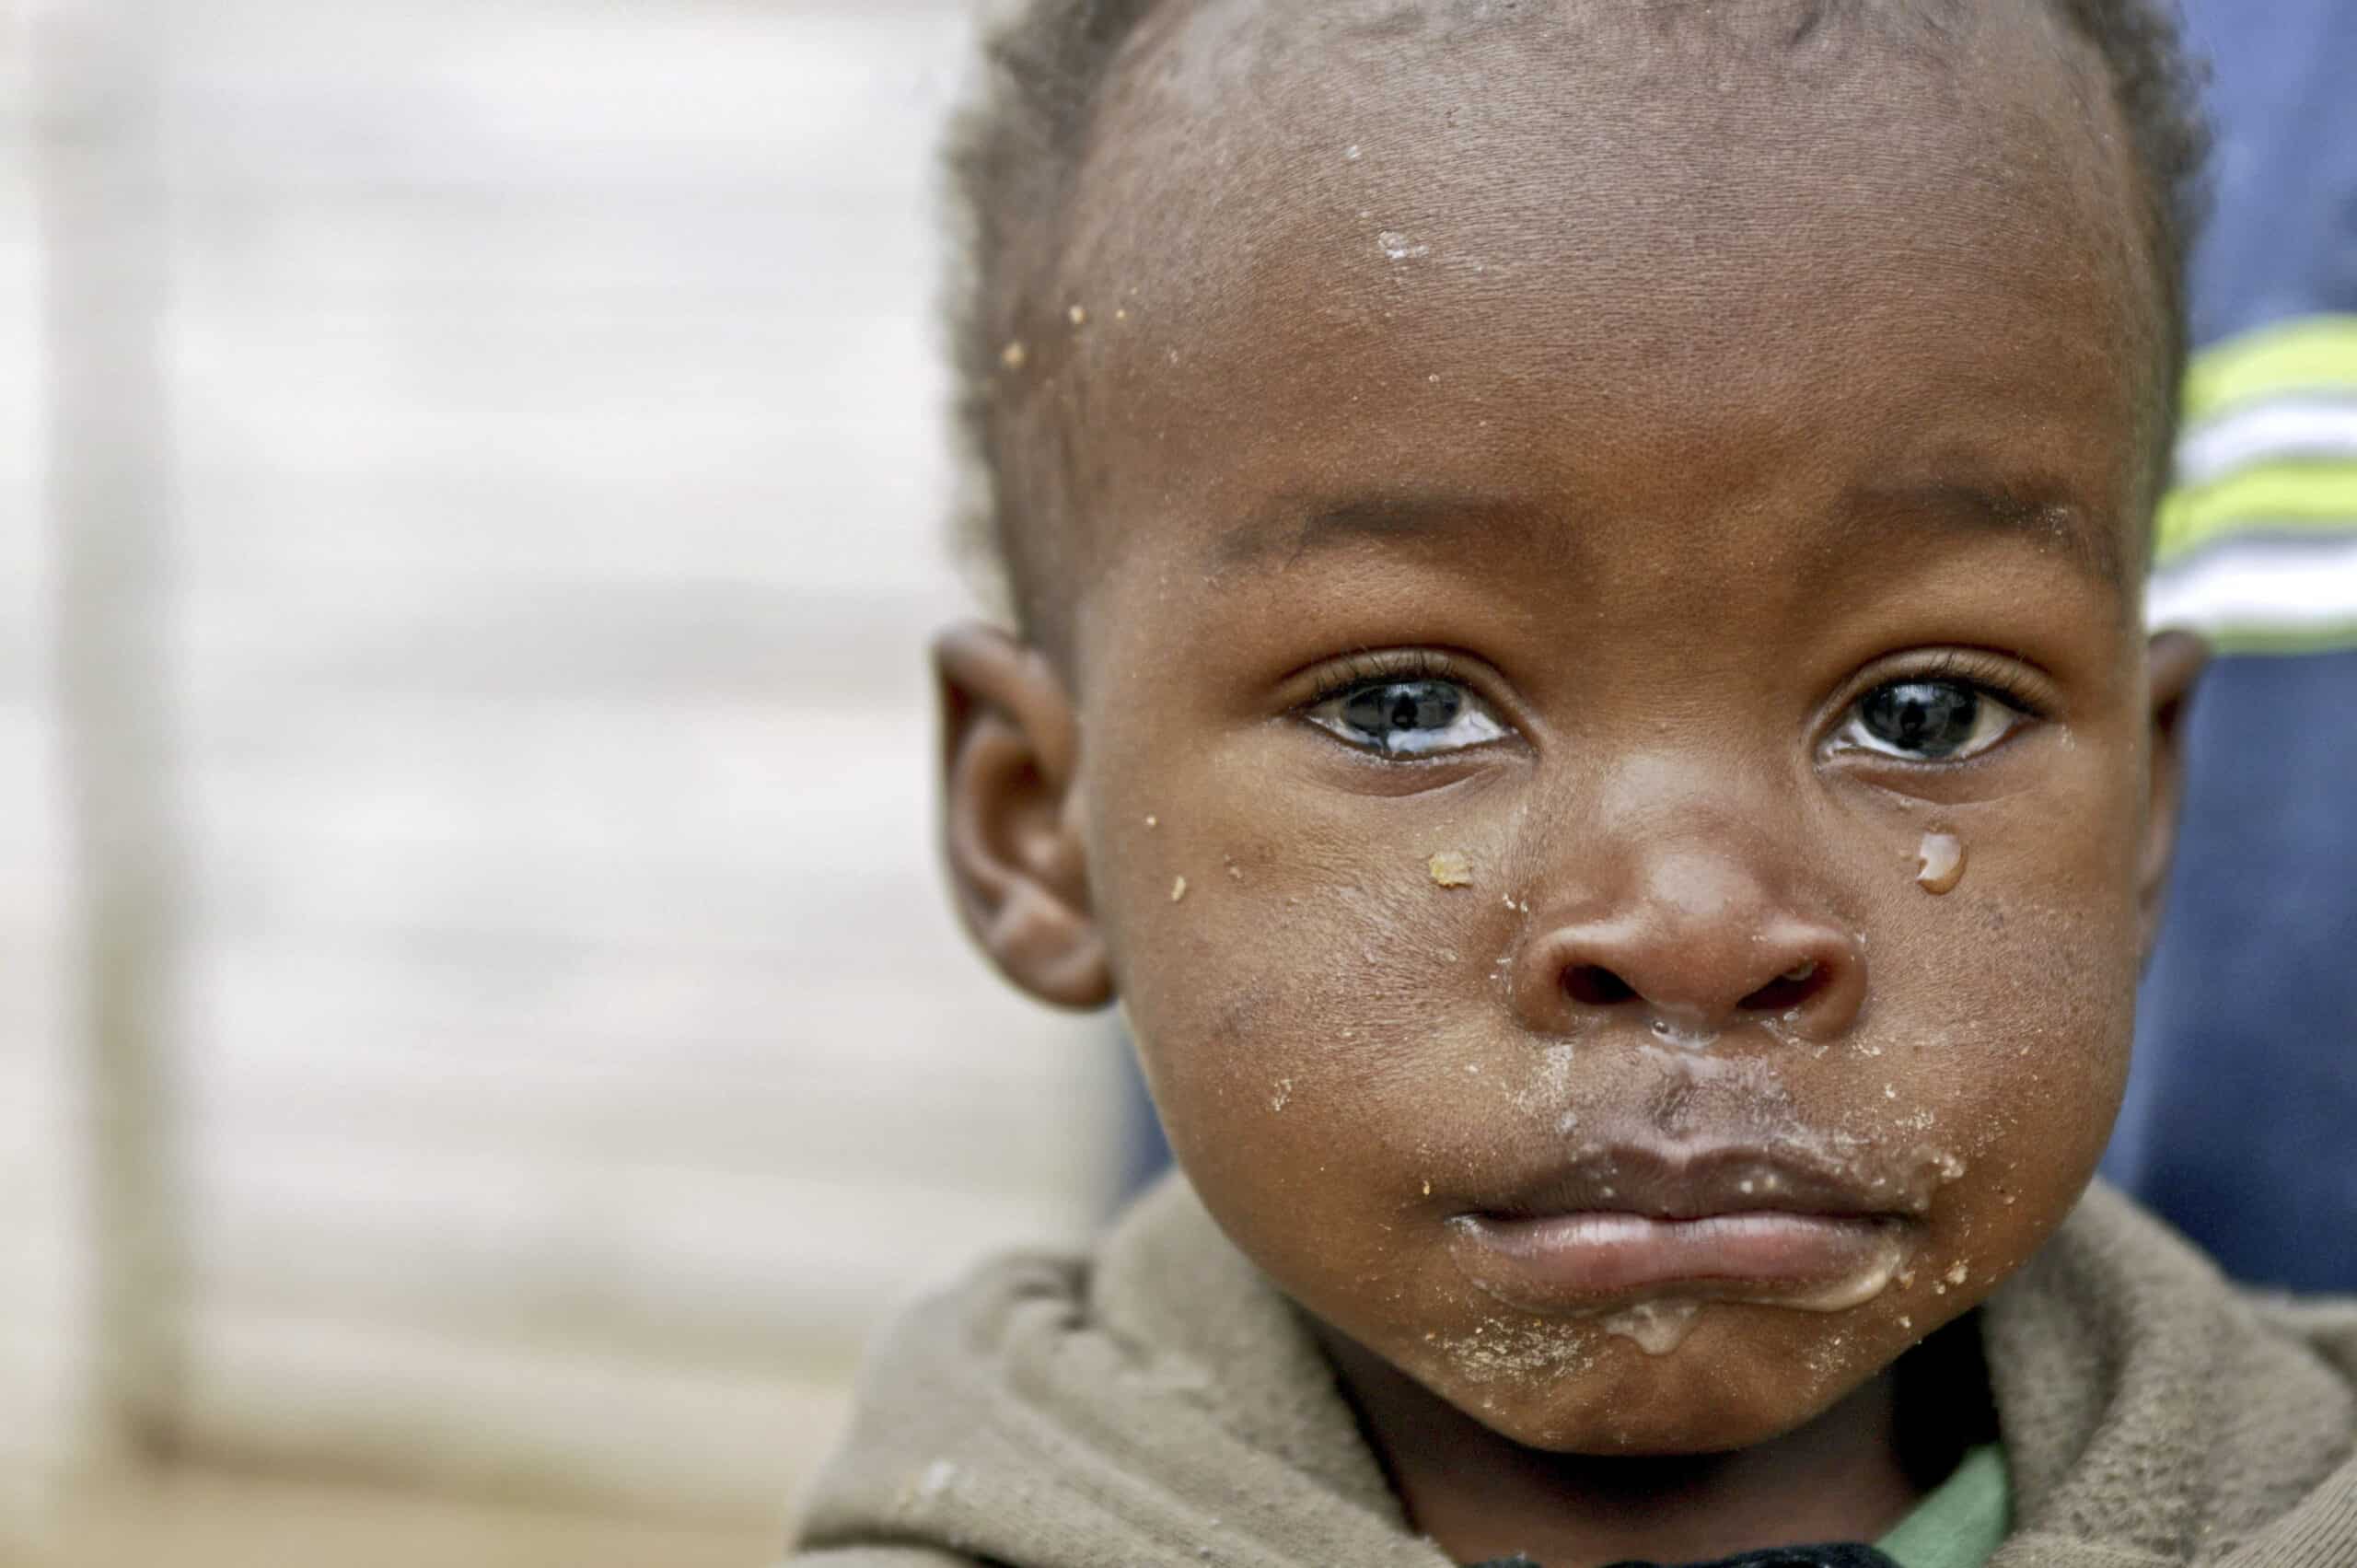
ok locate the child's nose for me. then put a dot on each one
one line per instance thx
(1698, 945)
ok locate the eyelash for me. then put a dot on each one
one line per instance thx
(1354, 671)
(1986, 673)
(1399, 664)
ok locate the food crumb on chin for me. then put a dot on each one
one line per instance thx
(1450, 868)
(1178, 889)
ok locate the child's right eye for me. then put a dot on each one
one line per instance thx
(1407, 717)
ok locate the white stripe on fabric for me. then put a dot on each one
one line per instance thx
(2301, 427)
(2258, 583)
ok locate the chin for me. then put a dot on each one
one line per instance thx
(1574, 1389)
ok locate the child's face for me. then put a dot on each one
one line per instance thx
(1568, 509)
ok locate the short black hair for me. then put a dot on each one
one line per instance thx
(1016, 147)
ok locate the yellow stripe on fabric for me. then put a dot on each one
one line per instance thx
(2289, 496)
(2274, 639)
(2314, 355)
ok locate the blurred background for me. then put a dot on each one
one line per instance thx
(482, 1040)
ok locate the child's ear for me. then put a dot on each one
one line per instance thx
(1010, 815)
(2173, 662)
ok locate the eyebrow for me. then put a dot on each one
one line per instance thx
(2091, 543)
(1299, 529)
(1296, 529)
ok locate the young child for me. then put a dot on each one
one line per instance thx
(1580, 677)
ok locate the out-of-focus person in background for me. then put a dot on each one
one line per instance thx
(481, 1041)
(2241, 1119)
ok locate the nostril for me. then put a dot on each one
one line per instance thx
(1592, 985)
(1792, 989)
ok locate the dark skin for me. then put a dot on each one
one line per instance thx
(1559, 445)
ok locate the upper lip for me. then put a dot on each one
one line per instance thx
(1685, 1180)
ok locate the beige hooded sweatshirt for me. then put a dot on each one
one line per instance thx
(1163, 1404)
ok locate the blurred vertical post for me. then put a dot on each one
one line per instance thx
(41, 1236)
(102, 249)
(43, 1231)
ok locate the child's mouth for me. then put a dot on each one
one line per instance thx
(1636, 1219)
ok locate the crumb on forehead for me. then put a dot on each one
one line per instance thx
(1016, 152)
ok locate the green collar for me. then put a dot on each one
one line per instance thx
(1963, 1521)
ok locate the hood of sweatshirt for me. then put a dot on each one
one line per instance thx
(1162, 1403)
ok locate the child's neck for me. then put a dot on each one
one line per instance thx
(1850, 1475)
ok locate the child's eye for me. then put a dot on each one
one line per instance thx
(1927, 721)
(1406, 718)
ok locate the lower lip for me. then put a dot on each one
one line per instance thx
(1560, 1261)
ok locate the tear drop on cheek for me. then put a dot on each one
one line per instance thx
(1939, 862)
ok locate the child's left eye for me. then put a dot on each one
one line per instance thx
(1927, 721)
(1406, 718)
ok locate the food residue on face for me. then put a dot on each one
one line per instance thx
(1659, 1327)
(1013, 356)
(1450, 868)
(1940, 862)
(1178, 889)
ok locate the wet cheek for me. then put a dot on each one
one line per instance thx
(2005, 1012)
(2049, 1069)
(1303, 990)
(2027, 1027)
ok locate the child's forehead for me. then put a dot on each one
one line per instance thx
(1238, 136)
(1287, 213)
